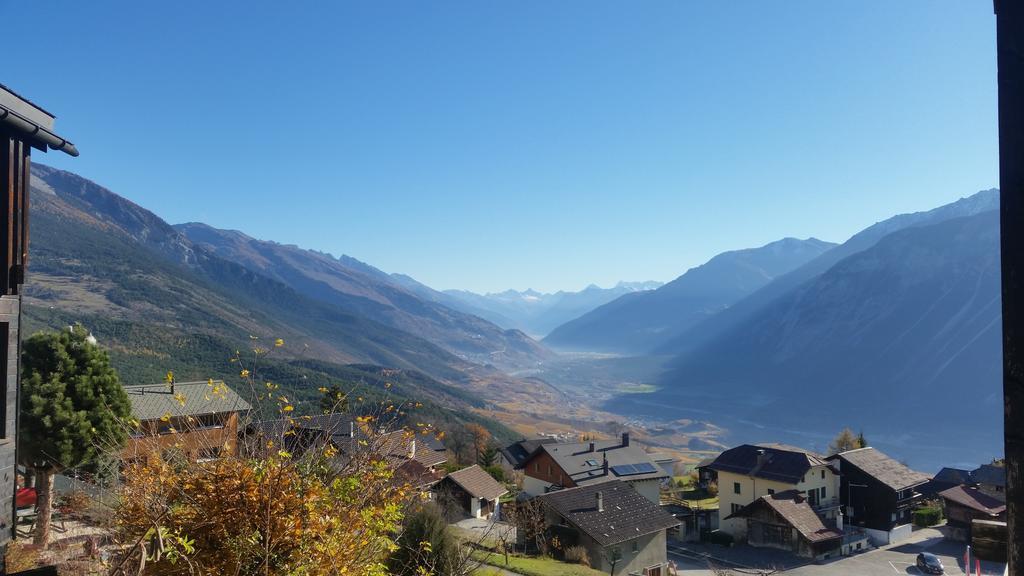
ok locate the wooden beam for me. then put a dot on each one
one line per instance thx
(1010, 50)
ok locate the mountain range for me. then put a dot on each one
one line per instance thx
(159, 301)
(896, 331)
(537, 313)
(637, 323)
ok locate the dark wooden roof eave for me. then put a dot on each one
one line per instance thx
(34, 134)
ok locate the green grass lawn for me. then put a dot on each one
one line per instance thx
(534, 566)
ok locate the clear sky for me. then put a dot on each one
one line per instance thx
(548, 144)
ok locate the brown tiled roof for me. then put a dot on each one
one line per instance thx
(792, 507)
(974, 499)
(626, 513)
(882, 468)
(478, 483)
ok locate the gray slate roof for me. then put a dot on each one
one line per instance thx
(781, 462)
(584, 466)
(989, 474)
(882, 468)
(154, 401)
(627, 514)
(477, 482)
(518, 452)
(953, 475)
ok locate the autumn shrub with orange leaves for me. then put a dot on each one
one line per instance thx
(265, 511)
(260, 516)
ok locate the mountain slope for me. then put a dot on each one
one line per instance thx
(639, 322)
(99, 257)
(731, 317)
(363, 290)
(902, 339)
(539, 313)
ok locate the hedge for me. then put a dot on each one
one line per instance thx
(927, 516)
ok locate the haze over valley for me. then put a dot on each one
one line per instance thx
(791, 340)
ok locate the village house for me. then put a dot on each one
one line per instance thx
(786, 521)
(964, 504)
(614, 523)
(569, 465)
(878, 493)
(469, 492)
(748, 472)
(198, 420)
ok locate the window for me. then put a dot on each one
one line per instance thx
(5, 409)
(591, 462)
(823, 492)
(636, 546)
(771, 491)
(736, 488)
(206, 454)
(823, 474)
(736, 508)
(536, 467)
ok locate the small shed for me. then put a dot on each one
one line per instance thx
(471, 491)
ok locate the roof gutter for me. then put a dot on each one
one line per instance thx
(34, 133)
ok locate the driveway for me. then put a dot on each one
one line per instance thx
(481, 529)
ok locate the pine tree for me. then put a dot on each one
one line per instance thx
(73, 411)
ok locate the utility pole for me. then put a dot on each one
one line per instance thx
(1010, 51)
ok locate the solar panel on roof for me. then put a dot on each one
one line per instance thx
(624, 470)
(633, 469)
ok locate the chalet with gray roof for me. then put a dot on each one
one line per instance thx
(470, 491)
(614, 523)
(198, 419)
(878, 493)
(569, 465)
(785, 520)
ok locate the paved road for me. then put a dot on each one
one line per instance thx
(895, 560)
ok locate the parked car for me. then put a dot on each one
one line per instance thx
(929, 563)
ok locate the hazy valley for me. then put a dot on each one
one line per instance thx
(789, 341)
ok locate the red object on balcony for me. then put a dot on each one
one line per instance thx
(25, 497)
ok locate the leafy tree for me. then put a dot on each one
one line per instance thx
(480, 438)
(426, 546)
(845, 440)
(74, 410)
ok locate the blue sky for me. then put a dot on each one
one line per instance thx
(494, 145)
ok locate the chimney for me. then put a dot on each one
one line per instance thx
(412, 449)
(625, 439)
(600, 501)
(762, 458)
(605, 464)
(591, 447)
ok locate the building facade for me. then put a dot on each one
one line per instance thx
(748, 472)
(24, 126)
